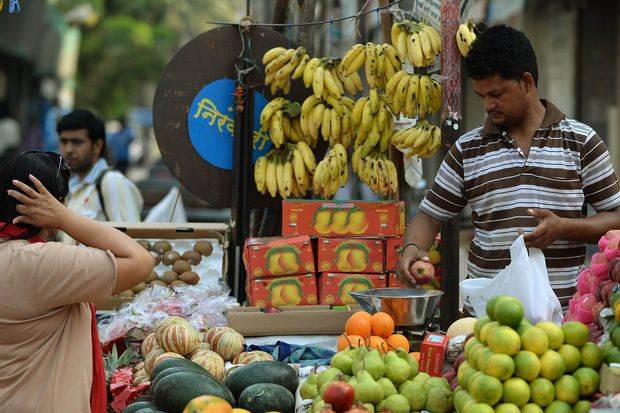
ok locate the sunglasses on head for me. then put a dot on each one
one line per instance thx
(57, 158)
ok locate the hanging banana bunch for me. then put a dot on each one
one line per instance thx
(331, 173)
(413, 95)
(329, 118)
(417, 42)
(281, 118)
(380, 62)
(372, 121)
(375, 170)
(286, 171)
(465, 36)
(282, 65)
(423, 139)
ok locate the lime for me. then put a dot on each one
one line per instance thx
(491, 306)
(504, 340)
(535, 340)
(542, 391)
(527, 365)
(591, 355)
(516, 391)
(507, 408)
(486, 330)
(508, 311)
(531, 408)
(588, 380)
(567, 389)
(501, 366)
(555, 334)
(552, 365)
(481, 322)
(571, 356)
(558, 407)
(486, 389)
(575, 333)
(582, 406)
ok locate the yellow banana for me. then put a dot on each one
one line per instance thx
(401, 46)
(412, 96)
(272, 54)
(350, 56)
(299, 168)
(349, 86)
(392, 54)
(318, 114)
(310, 102)
(289, 68)
(371, 64)
(425, 41)
(280, 179)
(424, 96)
(330, 84)
(414, 50)
(309, 71)
(326, 124)
(268, 111)
(463, 39)
(380, 60)
(271, 179)
(367, 117)
(374, 136)
(356, 113)
(395, 32)
(355, 65)
(393, 177)
(373, 98)
(335, 125)
(425, 136)
(435, 39)
(307, 156)
(337, 79)
(318, 81)
(400, 95)
(260, 169)
(299, 70)
(390, 87)
(279, 61)
(276, 131)
(357, 81)
(287, 178)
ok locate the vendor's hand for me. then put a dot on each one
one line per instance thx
(549, 229)
(38, 207)
(403, 271)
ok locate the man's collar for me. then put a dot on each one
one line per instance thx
(91, 177)
(553, 116)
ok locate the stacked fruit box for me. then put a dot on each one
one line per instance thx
(280, 271)
(351, 240)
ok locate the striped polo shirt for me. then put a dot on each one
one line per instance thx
(568, 166)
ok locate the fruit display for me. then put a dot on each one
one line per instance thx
(281, 118)
(331, 173)
(373, 368)
(282, 65)
(329, 118)
(278, 256)
(282, 291)
(510, 364)
(375, 170)
(417, 42)
(372, 121)
(413, 95)
(465, 36)
(380, 62)
(355, 255)
(423, 140)
(286, 171)
(334, 288)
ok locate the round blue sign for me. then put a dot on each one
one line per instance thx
(211, 124)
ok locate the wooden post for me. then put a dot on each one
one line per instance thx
(450, 116)
(305, 34)
(279, 14)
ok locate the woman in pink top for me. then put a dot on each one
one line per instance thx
(50, 356)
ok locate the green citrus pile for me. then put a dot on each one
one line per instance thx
(514, 366)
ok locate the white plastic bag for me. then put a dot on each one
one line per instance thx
(165, 210)
(526, 278)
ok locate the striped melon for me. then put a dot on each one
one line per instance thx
(149, 360)
(180, 339)
(252, 357)
(149, 343)
(227, 343)
(212, 362)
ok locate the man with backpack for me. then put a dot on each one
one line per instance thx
(95, 190)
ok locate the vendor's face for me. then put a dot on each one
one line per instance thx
(78, 150)
(505, 101)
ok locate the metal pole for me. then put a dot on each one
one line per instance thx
(450, 114)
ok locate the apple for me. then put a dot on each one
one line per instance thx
(423, 272)
(340, 395)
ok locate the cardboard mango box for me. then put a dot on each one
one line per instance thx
(392, 252)
(351, 255)
(334, 287)
(343, 218)
(277, 256)
(282, 291)
(298, 320)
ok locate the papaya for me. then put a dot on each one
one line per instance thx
(173, 392)
(275, 372)
(267, 397)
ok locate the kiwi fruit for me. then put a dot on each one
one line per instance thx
(190, 277)
(203, 248)
(161, 247)
(177, 283)
(170, 257)
(144, 244)
(157, 257)
(169, 276)
(125, 294)
(181, 266)
(138, 287)
(193, 257)
(152, 277)
(158, 282)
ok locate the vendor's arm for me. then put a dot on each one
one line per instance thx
(602, 191)
(41, 209)
(445, 200)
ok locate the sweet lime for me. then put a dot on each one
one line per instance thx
(482, 357)
(558, 407)
(501, 366)
(531, 408)
(471, 343)
(591, 355)
(575, 333)
(552, 365)
(507, 408)
(504, 340)
(555, 334)
(508, 311)
(516, 391)
(491, 306)
(486, 330)
(582, 406)
(567, 389)
(486, 389)
(481, 322)
(535, 340)
(478, 408)
(571, 356)
(542, 392)
(588, 380)
(527, 365)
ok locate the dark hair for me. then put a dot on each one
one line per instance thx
(504, 51)
(84, 119)
(45, 167)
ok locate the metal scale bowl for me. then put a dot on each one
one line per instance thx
(412, 309)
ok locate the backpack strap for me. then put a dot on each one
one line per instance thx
(99, 193)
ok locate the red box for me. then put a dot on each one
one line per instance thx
(393, 246)
(433, 353)
(350, 255)
(282, 291)
(343, 218)
(334, 287)
(278, 256)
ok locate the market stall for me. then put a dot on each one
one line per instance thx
(313, 316)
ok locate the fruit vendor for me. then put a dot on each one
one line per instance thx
(528, 169)
(50, 355)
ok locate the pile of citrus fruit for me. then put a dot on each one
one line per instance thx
(375, 331)
(514, 366)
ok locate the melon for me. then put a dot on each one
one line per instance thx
(180, 339)
(149, 360)
(201, 346)
(227, 343)
(164, 356)
(165, 323)
(210, 333)
(149, 343)
(212, 362)
(252, 357)
(461, 327)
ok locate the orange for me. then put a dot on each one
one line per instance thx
(398, 341)
(382, 325)
(378, 343)
(363, 314)
(344, 341)
(415, 355)
(357, 326)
